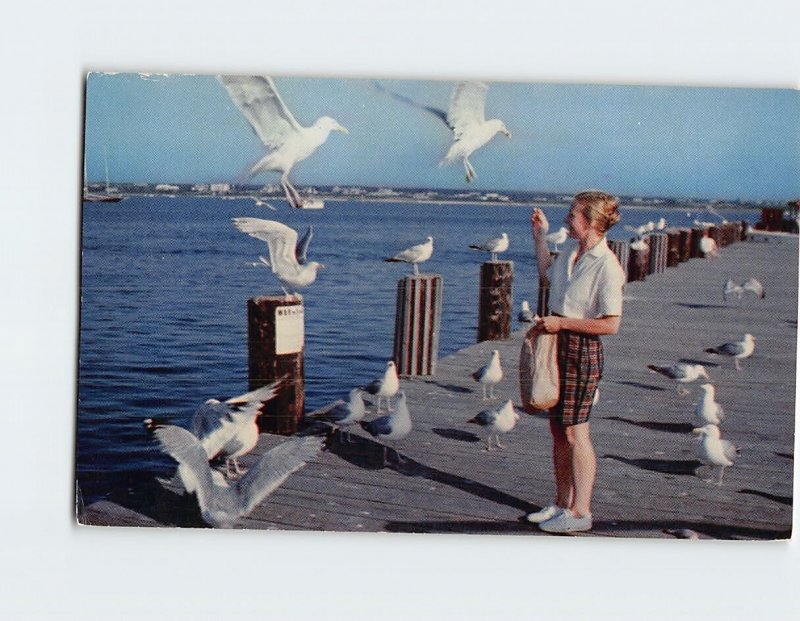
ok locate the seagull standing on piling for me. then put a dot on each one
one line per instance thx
(498, 420)
(680, 372)
(737, 349)
(714, 451)
(414, 255)
(394, 426)
(346, 414)
(282, 244)
(385, 387)
(466, 118)
(489, 375)
(708, 411)
(494, 245)
(558, 237)
(222, 503)
(288, 141)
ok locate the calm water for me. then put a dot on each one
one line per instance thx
(165, 283)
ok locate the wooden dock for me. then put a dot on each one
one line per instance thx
(641, 427)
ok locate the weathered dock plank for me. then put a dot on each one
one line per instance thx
(646, 479)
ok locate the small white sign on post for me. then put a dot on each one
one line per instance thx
(289, 329)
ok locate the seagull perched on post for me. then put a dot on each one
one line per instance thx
(681, 372)
(414, 255)
(736, 349)
(498, 420)
(228, 428)
(222, 503)
(494, 245)
(708, 411)
(466, 118)
(281, 241)
(714, 451)
(489, 375)
(557, 237)
(288, 141)
(385, 387)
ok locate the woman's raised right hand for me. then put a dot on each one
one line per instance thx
(539, 222)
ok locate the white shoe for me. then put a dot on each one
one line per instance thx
(544, 514)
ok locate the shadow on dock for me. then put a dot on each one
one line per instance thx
(685, 467)
(683, 428)
(784, 500)
(456, 434)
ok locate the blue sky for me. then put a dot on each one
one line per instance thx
(634, 140)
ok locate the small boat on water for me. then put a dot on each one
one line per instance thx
(108, 196)
(313, 203)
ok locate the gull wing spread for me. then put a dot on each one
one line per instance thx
(262, 106)
(440, 114)
(280, 239)
(467, 105)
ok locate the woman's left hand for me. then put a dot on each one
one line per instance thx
(549, 324)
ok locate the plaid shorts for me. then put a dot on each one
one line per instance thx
(580, 367)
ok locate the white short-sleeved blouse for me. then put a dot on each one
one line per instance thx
(589, 288)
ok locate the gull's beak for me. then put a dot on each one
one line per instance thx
(342, 129)
(507, 133)
(321, 266)
(698, 430)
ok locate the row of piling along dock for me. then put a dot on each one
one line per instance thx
(276, 323)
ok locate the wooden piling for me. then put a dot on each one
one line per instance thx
(494, 301)
(685, 245)
(696, 236)
(276, 335)
(658, 243)
(417, 322)
(673, 247)
(621, 249)
(638, 263)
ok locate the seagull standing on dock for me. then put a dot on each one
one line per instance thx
(228, 429)
(222, 503)
(714, 451)
(680, 372)
(414, 255)
(526, 314)
(737, 349)
(556, 238)
(498, 420)
(494, 245)
(346, 414)
(394, 426)
(385, 387)
(489, 375)
(288, 142)
(708, 411)
(466, 118)
(282, 244)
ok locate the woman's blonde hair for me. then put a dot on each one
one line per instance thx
(599, 208)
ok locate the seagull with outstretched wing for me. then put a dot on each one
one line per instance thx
(466, 118)
(287, 141)
(281, 241)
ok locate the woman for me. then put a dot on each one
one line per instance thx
(586, 283)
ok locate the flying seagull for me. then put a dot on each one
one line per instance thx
(287, 141)
(414, 255)
(282, 244)
(752, 285)
(737, 349)
(680, 372)
(385, 387)
(489, 375)
(714, 451)
(498, 420)
(466, 118)
(222, 503)
(494, 245)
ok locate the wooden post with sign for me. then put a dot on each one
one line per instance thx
(417, 322)
(276, 335)
(494, 301)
